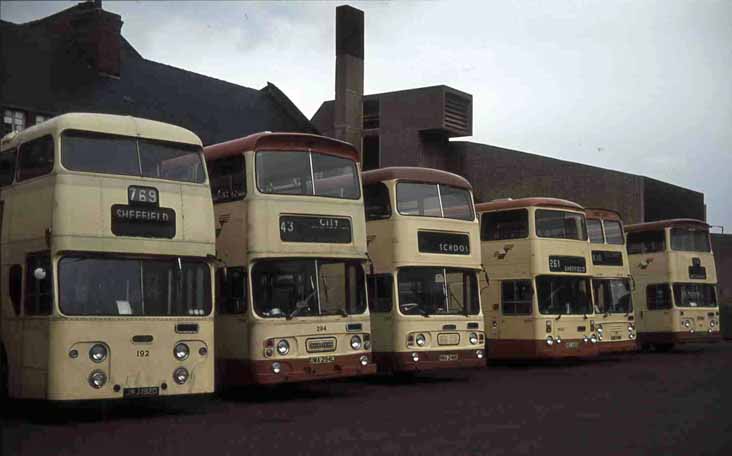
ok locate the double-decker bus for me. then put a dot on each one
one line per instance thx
(107, 260)
(423, 283)
(611, 282)
(538, 297)
(291, 237)
(676, 283)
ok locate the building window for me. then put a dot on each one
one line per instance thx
(371, 114)
(516, 297)
(13, 120)
(380, 293)
(232, 290)
(40, 118)
(658, 297)
(371, 155)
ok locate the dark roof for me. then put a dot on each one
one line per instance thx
(281, 142)
(411, 173)
(606, 214)
(502, 204)
(41, 71)
(661, 224)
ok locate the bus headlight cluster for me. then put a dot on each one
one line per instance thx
(559, 340)
(276, 368)
(600, 330)
(549, 340)
(421, 340)
(180, 375)
(283, 347)
(593, 339)
(415, 357)
(479, 354)
(181, 351)
(364, 360)
(356, 342)
(97, 379)
(687, 324)
(712, 323)
(98, 353)
(585, 339)
(473, 338)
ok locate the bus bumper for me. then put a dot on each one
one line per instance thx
(262, 372)
(680, 337)
(538, 349)
(621, 346)
(429, 360)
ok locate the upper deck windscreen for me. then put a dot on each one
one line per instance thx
(307, 173)
(434, 200)
(560, 225)
(690, 240)
(122, 155)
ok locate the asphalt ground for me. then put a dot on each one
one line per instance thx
(676, 403)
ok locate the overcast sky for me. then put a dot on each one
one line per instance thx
(637, 86)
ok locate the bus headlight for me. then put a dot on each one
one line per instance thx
(421, 340)
(599, 329)
(181, 351)
(356, 342)
(364, 360)
(479, 354)
(283, 347)
(631, 328)
(712, 323)
(473, 338)
(549, 340)
(631, 336)
(180, 375)
(97, 379)
(559, 340)
(415, 356)
(593, 339)
(276, 368)
(686, 323)
(98, 353)
(585, 339)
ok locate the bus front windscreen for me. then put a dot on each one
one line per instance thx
(560, 225)
(612, 296)
(686, 240)
(307, 288)
(307, 173)
(564, 295)
(437, 291)
(123, 155)
(108, 286)
(695, 295)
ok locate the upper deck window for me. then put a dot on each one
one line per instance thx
(695, 295)
(434, 200)
(376, 201)
(564, 295)
(35, 158)
(437, 291)
(560, 225)
(688, 240)
(7, 167)
(646, 242)
(111, 154)
(614, 232)
(594, 230)
(512, 224)
(133, 287)
(228, 179)
(307, 173)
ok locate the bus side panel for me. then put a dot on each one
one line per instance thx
(232, 349)
(34, 374)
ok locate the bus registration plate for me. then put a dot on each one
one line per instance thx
(145, 391)
(572, 344)
(322, 359)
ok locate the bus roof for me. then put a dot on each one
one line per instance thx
(280, 141)
(413, 173)
(502, 204)
(104, 123)
(606, 214)
(661, 224)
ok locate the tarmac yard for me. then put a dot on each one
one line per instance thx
(674, 403)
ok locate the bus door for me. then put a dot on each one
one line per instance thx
(232, 314)
(515, 321)
(37, 307)
(381, 299)
(657, 314)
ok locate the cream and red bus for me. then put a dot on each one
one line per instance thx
(538, 298)
(611, 282)
(423, 283)
(291, 238)
(107, 260)
(676, 283)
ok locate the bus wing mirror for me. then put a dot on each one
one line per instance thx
(485, 276)
(39, 273)
(632, 283)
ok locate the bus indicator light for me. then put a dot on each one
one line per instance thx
(73, 354)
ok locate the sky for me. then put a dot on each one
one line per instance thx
(637, 86)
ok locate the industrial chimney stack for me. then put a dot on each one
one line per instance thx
(348, 115)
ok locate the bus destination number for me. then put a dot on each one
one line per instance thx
(142, 195)
(567, 264)
(298, 228)
(607, 258)
(444, 243)
(143, 353)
